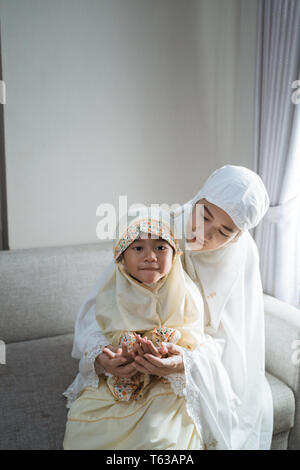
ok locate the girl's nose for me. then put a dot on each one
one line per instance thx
(150, 255)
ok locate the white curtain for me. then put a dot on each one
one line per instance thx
(277, 146)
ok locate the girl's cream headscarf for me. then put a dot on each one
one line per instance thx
(123, 304)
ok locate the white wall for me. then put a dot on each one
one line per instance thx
(109, 97)
(226, 40)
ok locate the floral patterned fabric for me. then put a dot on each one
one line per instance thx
(148, 226)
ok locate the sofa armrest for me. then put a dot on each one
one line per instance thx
(282, 329)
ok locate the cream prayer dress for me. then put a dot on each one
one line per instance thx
(159, 419)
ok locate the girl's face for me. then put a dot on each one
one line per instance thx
(148, 259)
(214, 230)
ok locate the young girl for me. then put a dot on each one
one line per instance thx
(147, 295)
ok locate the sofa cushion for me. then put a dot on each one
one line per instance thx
(32, 409)
(280, 441)
(41, 289)
(284, 404)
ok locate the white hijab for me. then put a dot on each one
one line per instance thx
(230, 282)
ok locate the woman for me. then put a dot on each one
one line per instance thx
(225, 266)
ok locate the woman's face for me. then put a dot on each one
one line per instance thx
(211, 230)
(148, 259)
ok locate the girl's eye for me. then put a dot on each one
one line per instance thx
(161, 248)
(205, 218)
(137, 248)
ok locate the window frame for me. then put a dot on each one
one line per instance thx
(4, 244)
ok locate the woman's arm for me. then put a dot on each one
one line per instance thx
(87, 334)
(89, 341)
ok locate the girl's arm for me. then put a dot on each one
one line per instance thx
(114, 362)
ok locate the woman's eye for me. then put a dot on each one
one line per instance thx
(227, 236)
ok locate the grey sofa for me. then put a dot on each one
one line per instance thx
(41, 291)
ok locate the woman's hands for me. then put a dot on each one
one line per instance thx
(144, 358)
(150, 364)
(145, 346)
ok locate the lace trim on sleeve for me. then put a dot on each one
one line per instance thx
(73, 390)
(178, 385)
(88, 371)
(177, 382)
(90, 356)
(193, 398)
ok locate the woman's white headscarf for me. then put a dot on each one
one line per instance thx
(238, 191)
(229, 279)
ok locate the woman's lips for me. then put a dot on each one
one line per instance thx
(195, 239)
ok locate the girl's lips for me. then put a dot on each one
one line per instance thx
(149, 269)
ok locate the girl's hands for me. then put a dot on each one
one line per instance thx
(150, 364)
(115, 363)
